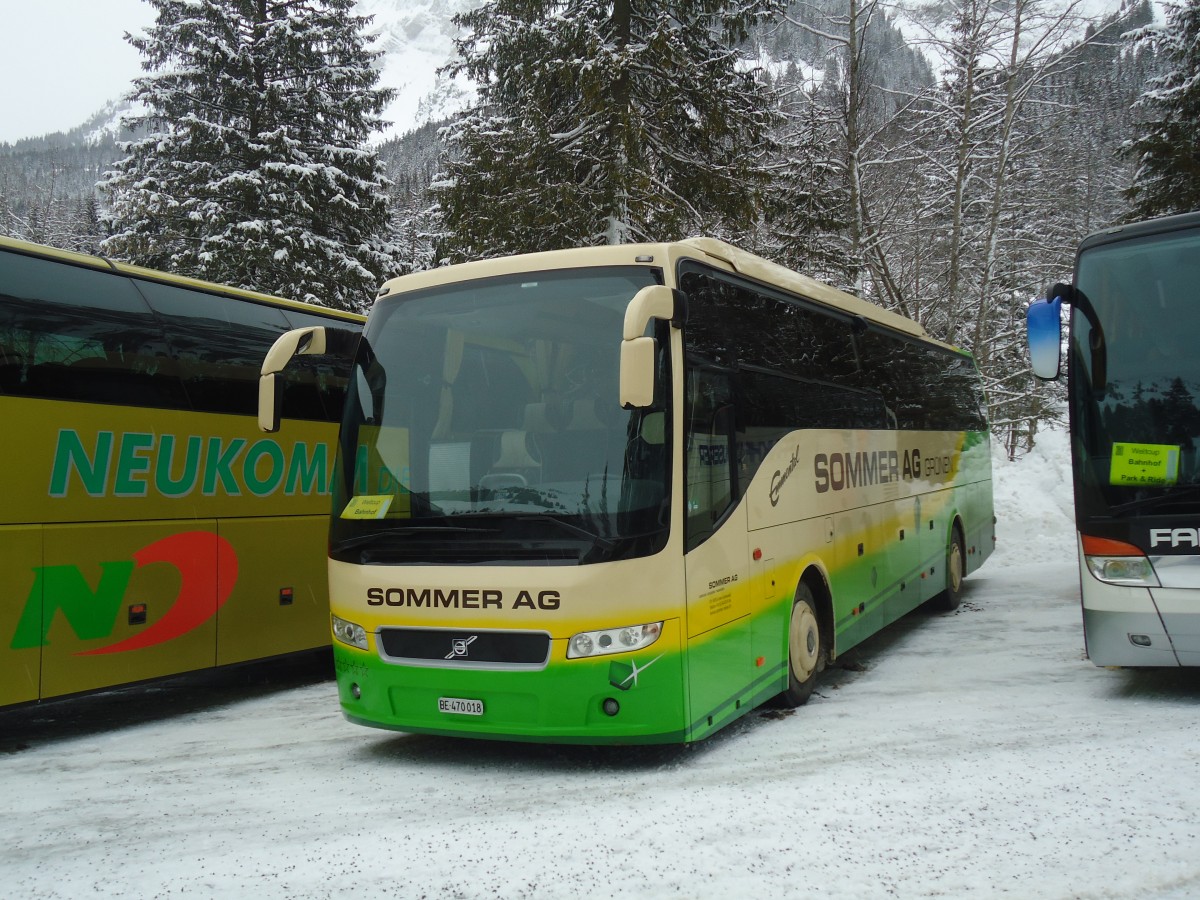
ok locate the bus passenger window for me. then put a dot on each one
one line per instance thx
(72, 333)
(218, 344)
(709, 423)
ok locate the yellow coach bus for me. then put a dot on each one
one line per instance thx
(147, 527)
(629, 493)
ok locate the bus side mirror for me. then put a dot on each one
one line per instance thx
(639, 352)
(637, 372)
(1043, 321)
(313, 340)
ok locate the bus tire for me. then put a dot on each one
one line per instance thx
(806, 649)
(956, 562)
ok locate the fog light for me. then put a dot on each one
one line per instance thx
(355, 692)
(1140, 640)
(611, 707)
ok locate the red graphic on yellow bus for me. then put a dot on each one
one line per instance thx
(208, 569)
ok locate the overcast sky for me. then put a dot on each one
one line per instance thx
(63, 60)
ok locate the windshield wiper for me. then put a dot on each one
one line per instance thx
(1166, 499)
(407, 530)
(605, 543)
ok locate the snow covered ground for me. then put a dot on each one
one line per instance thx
(971, 754)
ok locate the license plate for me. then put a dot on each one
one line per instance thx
(460, 707)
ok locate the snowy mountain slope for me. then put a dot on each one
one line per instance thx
(927, 24)
(417, 38)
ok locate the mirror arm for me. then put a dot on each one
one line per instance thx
(1097, 344)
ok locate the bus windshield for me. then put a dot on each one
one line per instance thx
(483, 425)
(1138, 432)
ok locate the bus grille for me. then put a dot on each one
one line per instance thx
(465, 648)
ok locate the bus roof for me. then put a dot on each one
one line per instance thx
(1140, 229)
(708, 250)
(120, 268)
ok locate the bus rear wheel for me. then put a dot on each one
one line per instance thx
(956, 559)
(806, 652)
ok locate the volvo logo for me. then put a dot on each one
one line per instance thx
(458, 647)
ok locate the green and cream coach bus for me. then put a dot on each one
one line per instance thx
(629, 493)
(148, 528)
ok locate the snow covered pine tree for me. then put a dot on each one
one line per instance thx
(250, 167)
(1167, 150)
(603, 123)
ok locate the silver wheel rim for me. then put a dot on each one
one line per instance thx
(956, 566)
(804, 644)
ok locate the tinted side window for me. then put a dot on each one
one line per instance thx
(219, 344)
(713, 333)
(893, 366)
(793, 365)
(926, 388)
(738, 322)
(791, 339)
(72, 333)
(708, 424)
(955, 393)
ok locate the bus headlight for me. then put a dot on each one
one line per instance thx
(349, 633)
(1116, 562)
(613, 640)
(1129, 570)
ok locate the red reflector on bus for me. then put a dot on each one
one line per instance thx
(757, 554)
(1098, 546)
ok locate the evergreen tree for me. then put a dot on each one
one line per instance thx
(604, 122)
(412, 162)
(1094, 101)
(859, 106)
(251, 168)
(87, 229)
(805, 215)
(987, 171)
(1167, 150)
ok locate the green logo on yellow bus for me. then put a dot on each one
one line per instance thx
(208, 569)
(134, 463)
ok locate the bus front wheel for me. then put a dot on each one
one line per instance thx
(806, 653)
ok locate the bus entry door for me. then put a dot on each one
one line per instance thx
(718, 623)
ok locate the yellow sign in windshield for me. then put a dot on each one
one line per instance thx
(372, 507)
(1144, 464)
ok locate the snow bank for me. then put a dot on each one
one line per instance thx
(1035, 505)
